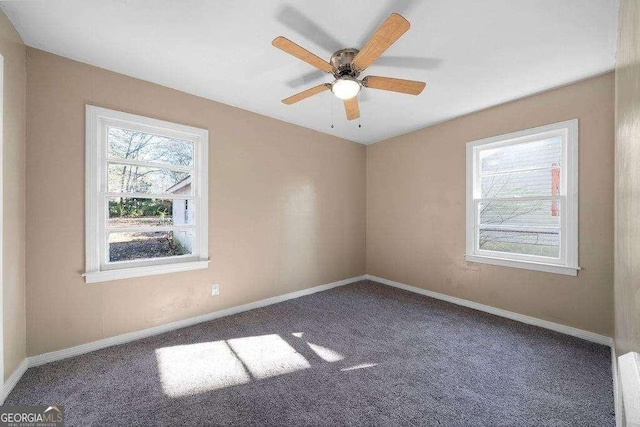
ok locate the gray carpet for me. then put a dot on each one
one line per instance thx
(362, 354)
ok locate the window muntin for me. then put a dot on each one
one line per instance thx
(146, 195)
(522, 197)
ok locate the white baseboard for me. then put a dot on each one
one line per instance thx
(568, 330)
(132, 336)
(13, 379)
(53, 356)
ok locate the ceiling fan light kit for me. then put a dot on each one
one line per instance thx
(347, 64)
(345, 87)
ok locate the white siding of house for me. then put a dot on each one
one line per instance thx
(183, 213)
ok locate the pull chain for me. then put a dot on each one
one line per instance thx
(331, 101)
(359, 115)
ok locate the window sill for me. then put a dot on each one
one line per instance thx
(527, 265)
(126, 273)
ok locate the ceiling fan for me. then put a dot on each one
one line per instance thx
(347, 64)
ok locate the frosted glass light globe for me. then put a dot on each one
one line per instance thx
(345, 87)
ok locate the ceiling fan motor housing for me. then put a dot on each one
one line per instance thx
(341, 60)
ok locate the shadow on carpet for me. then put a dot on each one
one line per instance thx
(361, 354)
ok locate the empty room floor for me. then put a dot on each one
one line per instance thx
(361, 354)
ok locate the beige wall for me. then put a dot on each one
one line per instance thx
(627, 268)
(416, 210)
(13, 175)
(287, 208)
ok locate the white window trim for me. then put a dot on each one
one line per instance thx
(568, 264)
(95, 189)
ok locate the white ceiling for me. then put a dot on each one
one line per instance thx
(472, 54)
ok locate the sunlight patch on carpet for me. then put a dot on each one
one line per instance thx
(186, 370)
(196, 368)
(360, 366)
(325, 354)
(268, 355)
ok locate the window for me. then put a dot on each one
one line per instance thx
(146, 196)
(522, 199)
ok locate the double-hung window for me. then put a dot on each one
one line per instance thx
(146, 196)
(522, 199)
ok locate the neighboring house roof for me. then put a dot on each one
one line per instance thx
(181, 184)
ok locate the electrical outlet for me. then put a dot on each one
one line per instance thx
(215, 289)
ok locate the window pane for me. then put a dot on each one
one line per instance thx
(133, 212)
(526, 155)
(138, 179)
(160, 244)
(531, 214)
(141, 146)
(541, 182)
(539, 242)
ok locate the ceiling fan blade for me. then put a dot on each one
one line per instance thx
(386, 35)
(306, 94)
(299, 52)
(410, 87)
(351, 108)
